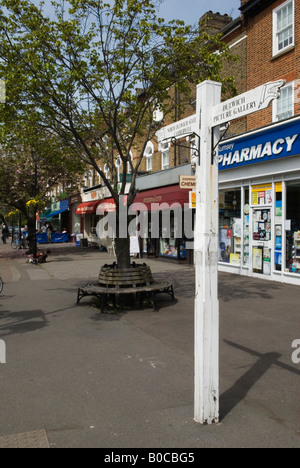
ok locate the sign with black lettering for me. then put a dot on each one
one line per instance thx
(187, 182)
(247, 103)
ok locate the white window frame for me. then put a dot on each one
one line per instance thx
(275, 102)
(107, 171)
(165, 148)
(128, 164)
(149, 152)
(163, 165)
(118, 164)
(276, 49)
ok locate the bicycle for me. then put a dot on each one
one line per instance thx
(19, 243)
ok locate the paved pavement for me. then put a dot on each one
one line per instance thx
(82, 379)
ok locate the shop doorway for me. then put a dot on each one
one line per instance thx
(262, 247)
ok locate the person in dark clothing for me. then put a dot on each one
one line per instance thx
(5, 233)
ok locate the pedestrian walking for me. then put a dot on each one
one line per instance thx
(5, 233)
(49, 233)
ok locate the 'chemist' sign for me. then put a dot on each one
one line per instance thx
(278, 142)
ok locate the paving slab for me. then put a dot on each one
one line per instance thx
(34, 439)
(126, 379)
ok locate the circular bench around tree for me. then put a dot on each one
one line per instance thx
(115, 282)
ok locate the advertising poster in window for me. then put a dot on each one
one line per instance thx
(258, 253)
(168, 248)
(267, 262)
(262, 194)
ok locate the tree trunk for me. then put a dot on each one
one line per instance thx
(123, 252)
(31, 223)
(122, 240)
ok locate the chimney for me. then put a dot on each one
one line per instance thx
(213, 23)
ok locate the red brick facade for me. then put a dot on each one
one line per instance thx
(250, 38)
(257, 59)
(262, 66)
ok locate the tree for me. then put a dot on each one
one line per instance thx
(30, 165)
(76, 71)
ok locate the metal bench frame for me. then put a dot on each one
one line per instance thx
(148, 292)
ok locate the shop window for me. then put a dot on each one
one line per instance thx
(230, 221)
(283, 27)
(284, 106)
(246, 250)
(292, 226)
(171, 244)
(278, 227)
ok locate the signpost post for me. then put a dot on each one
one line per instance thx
(206, 392)
(210, 114)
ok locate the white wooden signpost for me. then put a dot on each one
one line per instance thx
(210, 114)
(213, 114)
(178, 129)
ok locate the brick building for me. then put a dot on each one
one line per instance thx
(259, 166)
(259, 163)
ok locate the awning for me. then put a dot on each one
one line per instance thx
(88, 207)
(106, 206)
(161, 199)
(55, 213)
(156, 200)
(44, 216)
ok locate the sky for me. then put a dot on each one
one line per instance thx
(190, 11)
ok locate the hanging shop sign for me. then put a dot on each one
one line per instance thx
(276, 142)
(187, 182)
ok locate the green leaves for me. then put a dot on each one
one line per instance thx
(75, 73)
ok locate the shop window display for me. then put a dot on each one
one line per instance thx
(171, 244)
(246, 250)
(292, 225)
(278, 227)
(230, 222)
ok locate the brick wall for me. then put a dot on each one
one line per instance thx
(262, 66)
(237, 41)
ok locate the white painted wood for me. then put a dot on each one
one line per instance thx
(206, 263)
(247, 103)
(178, 129)
(2, 352)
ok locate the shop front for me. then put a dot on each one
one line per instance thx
(58, 216)
(158, 218)
(259, 203)
(87, 211)
(164, 210)
(76, 221)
